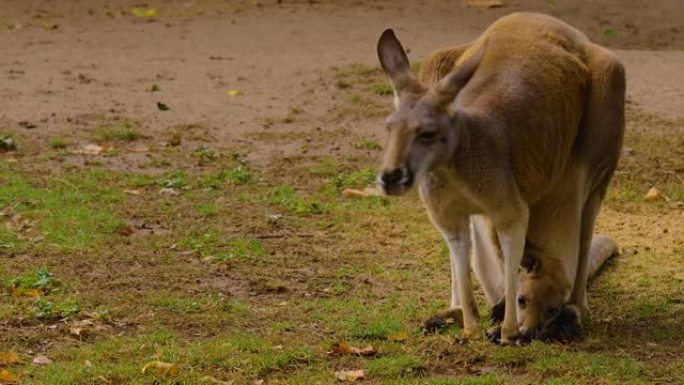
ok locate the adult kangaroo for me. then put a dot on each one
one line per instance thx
(500, 127)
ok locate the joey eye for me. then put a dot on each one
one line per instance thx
(552, 311)
(522, 301)
(427, 136)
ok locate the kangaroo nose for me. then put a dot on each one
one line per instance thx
(391, 177)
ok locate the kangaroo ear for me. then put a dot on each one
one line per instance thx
(393, 59)
(450, 85)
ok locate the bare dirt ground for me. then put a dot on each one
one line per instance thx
(208, 228)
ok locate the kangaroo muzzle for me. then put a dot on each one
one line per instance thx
(396, 181)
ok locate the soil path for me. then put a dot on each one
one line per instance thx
(62, 61)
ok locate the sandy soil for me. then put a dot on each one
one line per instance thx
(66, 64)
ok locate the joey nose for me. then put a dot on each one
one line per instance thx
(389, 178)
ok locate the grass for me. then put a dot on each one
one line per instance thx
(126, 131)
(255, 269)
(59, 143)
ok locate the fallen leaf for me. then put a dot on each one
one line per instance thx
(169, 191)
(161, 368)
(126, 231)
(75, 331)
(139, 149)
(9, 358)
(398, 337)
(22, 292)
(234, 92)
(366, 192)
(216, 381)
(653, 194)
(50, 25)
(6, 376)
(349, 375)
(147, 13)
(34, 293)
(41, 360)
(132, 192)
(344, 348)
(92, 149)
(484, 4)
(162, 107)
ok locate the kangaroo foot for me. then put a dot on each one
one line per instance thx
(442, 319)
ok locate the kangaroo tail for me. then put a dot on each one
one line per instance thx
(602, 248)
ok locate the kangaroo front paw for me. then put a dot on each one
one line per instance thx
(512, 337)
(443, 319)
(494, 334)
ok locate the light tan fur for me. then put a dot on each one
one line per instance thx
(529, 119)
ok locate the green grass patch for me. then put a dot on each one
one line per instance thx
(368, 144)
(71, 210)
(59, 143)
(396, 366)
(214, 246)
(383, 89)
(125, 131)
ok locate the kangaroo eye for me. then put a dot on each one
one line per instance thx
(522, 301)
(427, 136)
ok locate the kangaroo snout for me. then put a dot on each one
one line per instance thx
(395, 181)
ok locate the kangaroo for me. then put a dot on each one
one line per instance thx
(497, 127)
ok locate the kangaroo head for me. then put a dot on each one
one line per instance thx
(543, 292)
(421, 133)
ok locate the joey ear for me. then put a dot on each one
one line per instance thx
(393, 60)
(530, 263)
(450, 85)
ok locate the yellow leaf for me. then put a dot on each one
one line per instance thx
(92, 149)
(653, 194)
(398, 337)
(344, 348)
(6, 376)
(161, 368)
(234, 92)
(144, 12)
(366, 192)
(50, 25)
(33, 293)
(8, 358)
